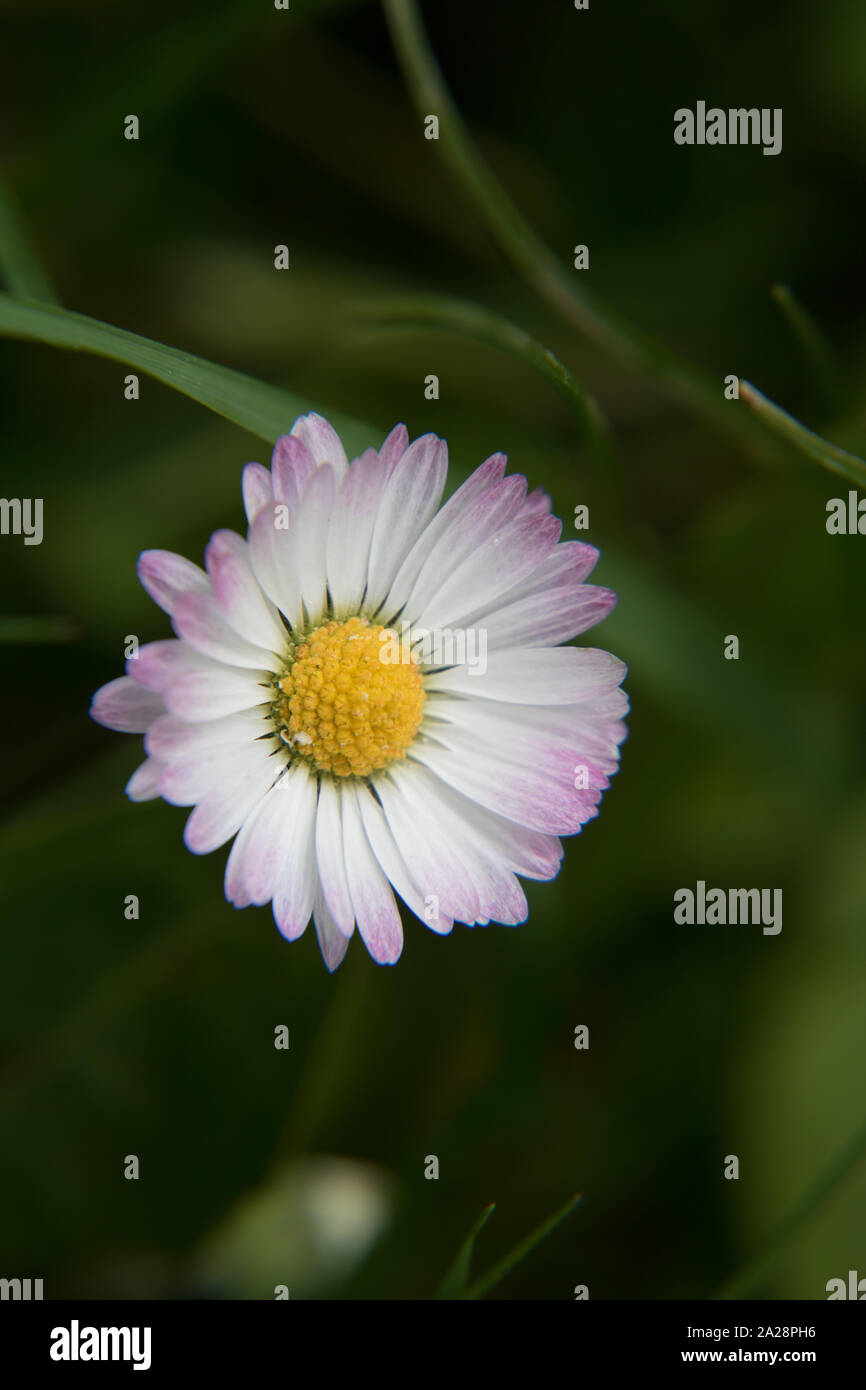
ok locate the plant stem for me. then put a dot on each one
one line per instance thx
(812, 445)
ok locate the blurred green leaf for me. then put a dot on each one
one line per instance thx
(38, 629)
(264, 410)
(752, 1279)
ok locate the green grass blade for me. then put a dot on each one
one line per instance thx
(456, 1281)
(264, 410)
(812, 445)
(442, 313)
(510, 1261)
(21, 268)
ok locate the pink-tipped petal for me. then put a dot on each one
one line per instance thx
(297, 881)
(126, 706)
(475, 486)
(212, 694)
(409, 501)
(322, 441)
(292, 467)
(224, 809)
(534, 675)
(257, 489)
(143, 785)
(239, 595)
(479, 519)
(551, 617)
(332, 943)
(372, 899)
(351, 530)
(198, 620)
(499, 561)
(311, 539)
(167, 576)
(274, 559)
(330, 857)
(393, 866)
(158, 664)
(393, 448)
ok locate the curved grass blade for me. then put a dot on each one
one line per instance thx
(812, 445)
(510, 1261)
(531, 256)
(264, 410)
(449, 315)
(456, 1281)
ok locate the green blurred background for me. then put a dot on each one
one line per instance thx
(155, 1037)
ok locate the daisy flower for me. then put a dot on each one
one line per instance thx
(368, 692)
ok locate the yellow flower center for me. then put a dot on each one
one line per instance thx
(351, 701)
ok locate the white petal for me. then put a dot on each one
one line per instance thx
(546, 737)
(158, 664)
(525, 852)
(510, 788)
(372, 899)
(543, 618)
(310, 532)
(503, 558)
(198, 620)
(224, 809)
(211, 694)
(534, 676)
(298, 879)
(351, 530)
(473, 523)
(239, 595)
(478, 482)
(186, 780)
(175, 740)
(273, 556)
(259, 855)
(393, 865)
(330, 857)
(499, 895)
(425, 852)
(409, 501)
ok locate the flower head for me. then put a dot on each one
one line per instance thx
(368, 693)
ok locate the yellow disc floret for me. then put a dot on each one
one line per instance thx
(351, 699)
